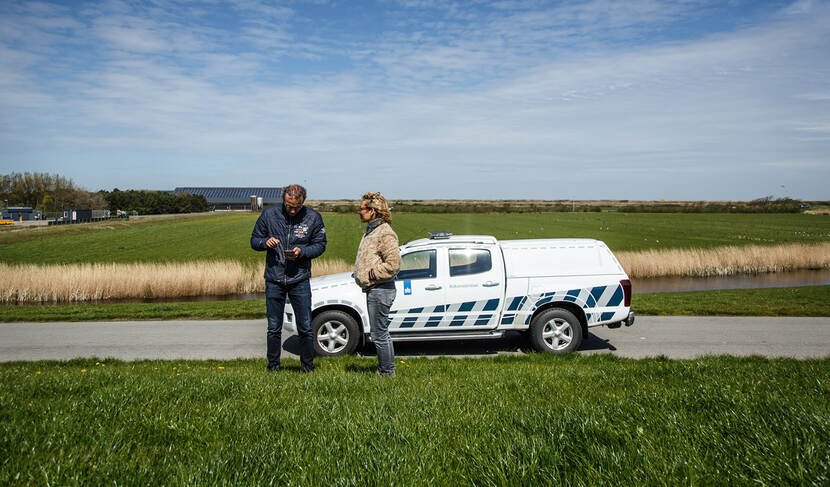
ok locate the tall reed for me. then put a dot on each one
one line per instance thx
(724, 261)
(27, 283)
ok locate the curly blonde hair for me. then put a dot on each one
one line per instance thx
(377, 202)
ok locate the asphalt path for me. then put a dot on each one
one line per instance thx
(676, 337)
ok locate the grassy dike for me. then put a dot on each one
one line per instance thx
(531, 420)
(798, 301)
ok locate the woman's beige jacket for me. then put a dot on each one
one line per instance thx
(379, 252)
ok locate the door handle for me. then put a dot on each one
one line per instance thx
(432, 287)
(490, 284)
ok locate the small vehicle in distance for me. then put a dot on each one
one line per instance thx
(475, 286)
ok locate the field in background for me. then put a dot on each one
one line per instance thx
(227, 236)
(537, 419)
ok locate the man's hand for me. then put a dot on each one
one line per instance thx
(272, 243)
(293, 256)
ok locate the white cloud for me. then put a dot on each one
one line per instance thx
(525, 94)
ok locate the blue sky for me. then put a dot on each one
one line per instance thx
(640, 99)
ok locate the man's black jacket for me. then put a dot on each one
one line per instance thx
(304, 230)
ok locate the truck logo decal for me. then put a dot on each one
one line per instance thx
(407, 287)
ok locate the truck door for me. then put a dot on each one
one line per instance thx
(475, 288)
(419, 302)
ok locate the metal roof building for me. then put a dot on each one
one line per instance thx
(234, 198)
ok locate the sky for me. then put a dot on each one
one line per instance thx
(423, 99)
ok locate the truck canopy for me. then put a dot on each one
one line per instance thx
(558, 257)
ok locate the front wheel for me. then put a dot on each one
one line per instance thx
(556, 331)
(335, 333)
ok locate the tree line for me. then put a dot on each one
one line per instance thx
(52, 193)
(154, 202)
(47, 192)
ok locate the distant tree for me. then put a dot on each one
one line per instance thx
(154, 202)
(46, 192)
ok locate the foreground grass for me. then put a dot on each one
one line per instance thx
(227, 236)
(796, 301)
(537, 419)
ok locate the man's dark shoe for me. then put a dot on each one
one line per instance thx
(273, 369)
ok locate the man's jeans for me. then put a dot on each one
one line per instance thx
(300, 296)
(378, 302)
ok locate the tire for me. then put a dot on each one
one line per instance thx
(335, 333)
(555, 331)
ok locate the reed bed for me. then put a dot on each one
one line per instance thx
(725, 261)
(67, 283)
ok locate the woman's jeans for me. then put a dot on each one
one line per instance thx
(300, 296)
(378, 302)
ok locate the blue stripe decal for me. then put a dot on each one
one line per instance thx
(543, 301)
(491, 305)
(415, 310)
(433, 321)
(574, 292)
(483, 320)
(617, 298)
(507, 319)
(597, 292)
(458, 320)
(569, 298)
(468, 306)
(606, 316)
(440, 308)
(515, 304)
(409, 322)
(590, 302)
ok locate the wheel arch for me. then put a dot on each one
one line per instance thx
(568, 306)
(339, 307)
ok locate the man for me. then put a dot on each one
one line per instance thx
(292, 235)
(378, 261)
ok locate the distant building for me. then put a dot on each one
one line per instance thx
(25, 212)
(84, 214)
(235, 198)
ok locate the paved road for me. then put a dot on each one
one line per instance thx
(674, 337)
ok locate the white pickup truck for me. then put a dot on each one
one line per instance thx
(471, 286)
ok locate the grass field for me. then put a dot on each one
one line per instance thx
(529, 420)
(797, 301)
(227, 236)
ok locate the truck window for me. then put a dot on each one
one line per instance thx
(418, 265)
(469, 261)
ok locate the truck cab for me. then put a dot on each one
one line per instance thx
(475, 286)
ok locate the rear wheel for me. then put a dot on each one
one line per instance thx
(556, 331)
(335, 333)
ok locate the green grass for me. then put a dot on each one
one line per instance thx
(797, 301)
(794, 301)
(527, 420)
(227, 236)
